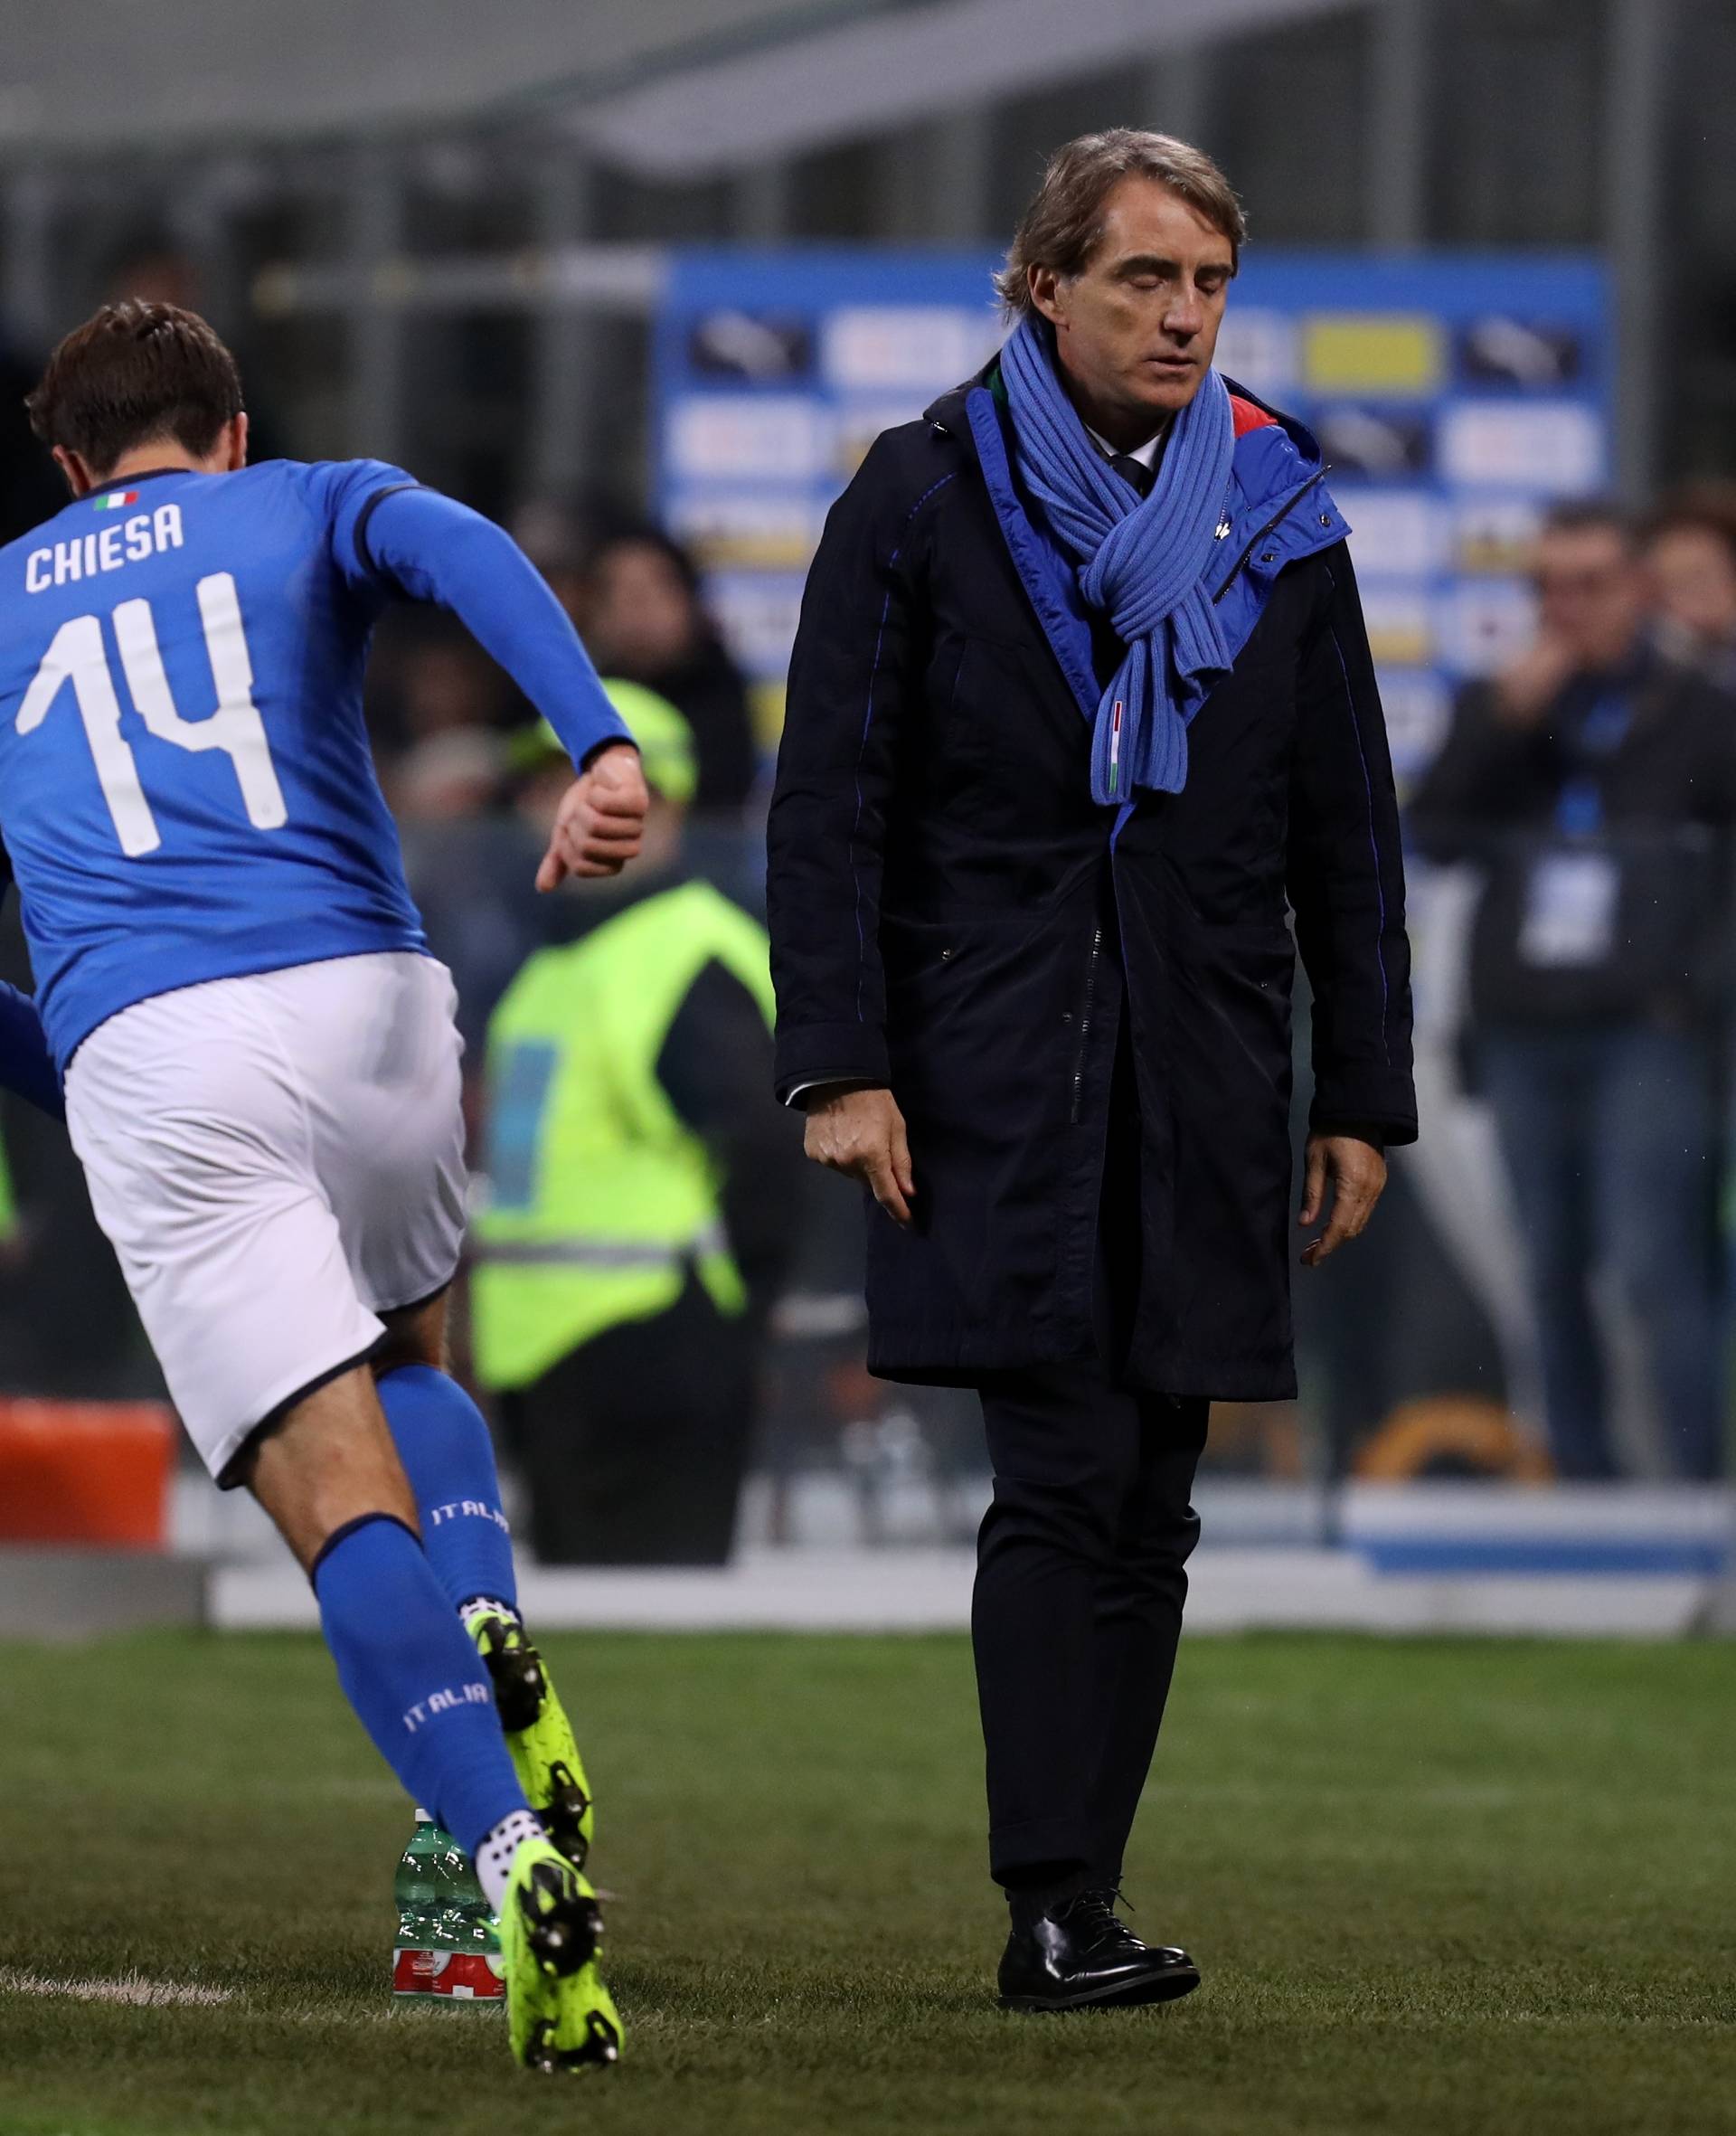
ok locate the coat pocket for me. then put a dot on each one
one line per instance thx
(1245, 972)
(981, 1020)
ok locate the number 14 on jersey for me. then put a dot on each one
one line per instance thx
(78, 655)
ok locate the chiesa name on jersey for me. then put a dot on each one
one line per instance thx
(146, 534)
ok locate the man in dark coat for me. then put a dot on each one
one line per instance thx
(1051, 1032)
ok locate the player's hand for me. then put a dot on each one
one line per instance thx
(597, 828)
(861, 1133)
(1356, 1172)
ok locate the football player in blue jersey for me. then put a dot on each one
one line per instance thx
(257, 1052)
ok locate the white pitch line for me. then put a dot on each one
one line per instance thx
(132, 1988)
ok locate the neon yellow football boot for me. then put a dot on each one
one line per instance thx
(538, 1734)
(559, 2013)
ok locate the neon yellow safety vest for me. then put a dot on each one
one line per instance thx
(601, 1198)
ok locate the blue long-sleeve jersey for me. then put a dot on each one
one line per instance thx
(186, 789)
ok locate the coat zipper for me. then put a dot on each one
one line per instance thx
(1085, 1026)
(1313, 482)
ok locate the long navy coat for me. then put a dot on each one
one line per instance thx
(952, 915)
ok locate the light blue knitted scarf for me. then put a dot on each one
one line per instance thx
(1141, 560)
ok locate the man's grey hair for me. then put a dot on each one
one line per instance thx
(1063, 225)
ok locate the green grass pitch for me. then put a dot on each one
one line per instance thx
(1434, 1886)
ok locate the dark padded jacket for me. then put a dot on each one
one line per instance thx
(952, 915)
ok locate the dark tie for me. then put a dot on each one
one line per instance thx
(1135, 471)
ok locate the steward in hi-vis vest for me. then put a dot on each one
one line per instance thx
(602, 1199)
(640, 1185)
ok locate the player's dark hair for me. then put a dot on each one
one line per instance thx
(135, 373)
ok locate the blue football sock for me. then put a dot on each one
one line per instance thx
(442, 1440)
(413, 1677)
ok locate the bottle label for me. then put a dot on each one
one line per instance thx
(452, 1976)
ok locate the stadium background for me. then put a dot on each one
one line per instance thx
(671, 263)
(595, 267)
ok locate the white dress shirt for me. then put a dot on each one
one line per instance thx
(1146, 454)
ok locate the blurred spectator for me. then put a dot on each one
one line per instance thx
(31, 489)
(558, 539)
(427, 676)
(641, 1189)
(470, 864)
(150, 264)
(455, 772)
(1691, 551)
(642, 620)
(1590, 779)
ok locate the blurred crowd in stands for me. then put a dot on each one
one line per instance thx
(445, 720)
(1583, 804)
(1571, 849)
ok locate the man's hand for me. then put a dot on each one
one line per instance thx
(862, 1133)
(1357, 1171)
(1526, 687)
(597, 829)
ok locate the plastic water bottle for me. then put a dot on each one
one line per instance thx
(447, 1947)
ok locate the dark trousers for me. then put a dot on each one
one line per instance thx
(1080, 1581)
(634, 1447)
(1080, 1573)
(1608, 1140)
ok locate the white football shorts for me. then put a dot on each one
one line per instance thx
(277, 1159)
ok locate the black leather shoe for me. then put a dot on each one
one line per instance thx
(1080, 1953)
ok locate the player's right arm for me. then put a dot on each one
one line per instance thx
(389, 534)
